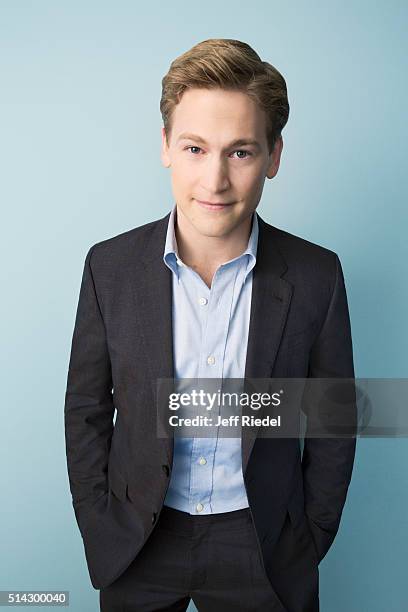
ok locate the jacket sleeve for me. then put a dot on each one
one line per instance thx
(327, 462)
(89, 406)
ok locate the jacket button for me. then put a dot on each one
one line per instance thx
(154, 515)
(166, 469)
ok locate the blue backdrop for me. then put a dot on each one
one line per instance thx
(79, 153)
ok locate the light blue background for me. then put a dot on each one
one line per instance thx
(79, 154)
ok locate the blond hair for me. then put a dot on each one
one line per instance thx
(232, 65)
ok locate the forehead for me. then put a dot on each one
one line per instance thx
(218, 112)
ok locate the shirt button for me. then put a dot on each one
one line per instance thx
(202, 301)
(199, 507)
(202, 461)
(211, 360)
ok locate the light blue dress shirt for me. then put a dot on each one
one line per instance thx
(210, 337)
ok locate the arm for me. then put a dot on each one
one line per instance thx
(88, 400)
(327, 463)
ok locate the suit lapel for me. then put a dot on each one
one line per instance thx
(152, 289)
(271, 296)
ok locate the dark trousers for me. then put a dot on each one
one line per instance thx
(212, 559)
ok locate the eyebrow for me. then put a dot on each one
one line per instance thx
(236, 143)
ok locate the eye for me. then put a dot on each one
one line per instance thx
(247, 153)
(193, 147)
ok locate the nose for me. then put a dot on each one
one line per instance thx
(215, 176)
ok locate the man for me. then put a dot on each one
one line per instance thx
(210, 290)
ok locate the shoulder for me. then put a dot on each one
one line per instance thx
(301, 256)
(118, 248)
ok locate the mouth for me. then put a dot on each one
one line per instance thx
(214, 206)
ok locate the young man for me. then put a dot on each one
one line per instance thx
(208, 291)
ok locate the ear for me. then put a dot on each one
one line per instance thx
(274, 158)
(165, 157)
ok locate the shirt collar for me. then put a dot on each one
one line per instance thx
(171, 257)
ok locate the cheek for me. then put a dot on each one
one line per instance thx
(182, 182)
(249, 182)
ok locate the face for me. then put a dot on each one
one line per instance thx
(218, 154)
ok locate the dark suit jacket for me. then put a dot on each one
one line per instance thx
(122, 343)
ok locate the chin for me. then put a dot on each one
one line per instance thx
(214, 229)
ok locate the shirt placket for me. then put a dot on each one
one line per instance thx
(215, 322)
